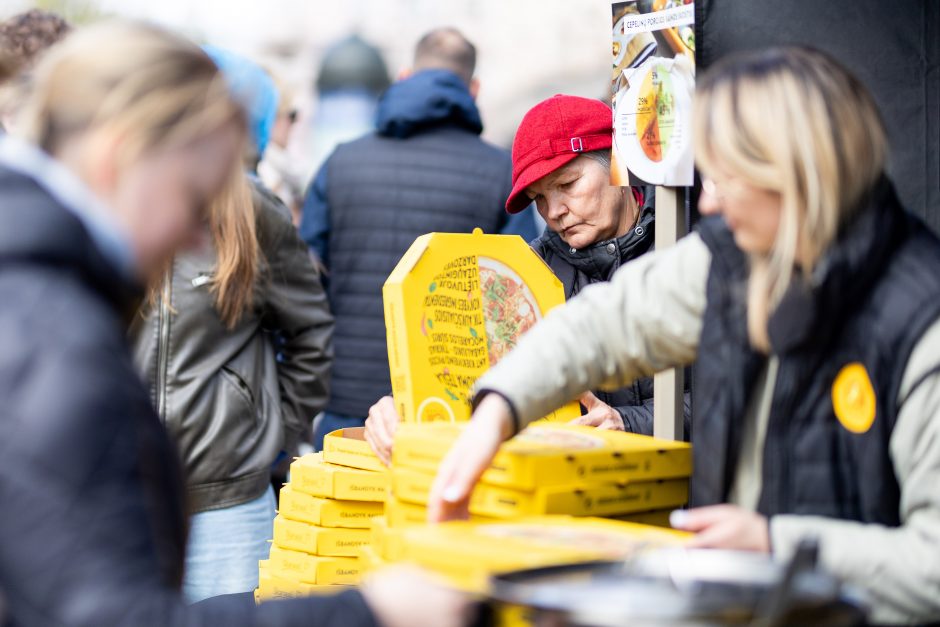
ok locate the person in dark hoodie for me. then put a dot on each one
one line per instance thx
(425, 169)
(129, 133)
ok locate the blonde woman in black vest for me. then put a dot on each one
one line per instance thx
(809, 299)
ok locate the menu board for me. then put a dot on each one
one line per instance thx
(652, 86)
(454, 306)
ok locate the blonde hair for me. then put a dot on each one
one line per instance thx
(794, 122)
(153, 89)
(157, 91)
(234, 237)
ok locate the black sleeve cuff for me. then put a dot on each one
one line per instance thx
(516, 425)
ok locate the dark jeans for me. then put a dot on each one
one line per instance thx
(332, 422)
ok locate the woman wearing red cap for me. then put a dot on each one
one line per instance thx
(809, 300)
(561, 162)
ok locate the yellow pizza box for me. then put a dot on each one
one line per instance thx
(574, 500)
(370, 560)
(399, 513)
(271, 586)
(455, 304)
(329, 541)
(553, 454)
(658, 518)
(348, 447)
(317, 569)
(386, 541)
(314, 476)
(469, 553)
(303, 507)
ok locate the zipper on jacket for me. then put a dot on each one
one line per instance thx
(163, 344)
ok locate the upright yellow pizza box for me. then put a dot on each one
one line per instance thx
(348, 447)
(553, 454)
(335, 542)
(315, 569)
(454, 305)
(313, 475)
(605, 499)
(303, 507)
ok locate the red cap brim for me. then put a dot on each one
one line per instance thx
(518, 199)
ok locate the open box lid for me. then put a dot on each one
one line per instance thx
(454, 306)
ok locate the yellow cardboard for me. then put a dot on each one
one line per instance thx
(311, 474)
(370, 560)
(386, 541)
(468, 553)
(301, 536)
(575, 500)
(348, 447)
(553, 454)
(658, 518)
(399, 513)
(303, 507)
(454, 305)
(271, 586)
(307, 568)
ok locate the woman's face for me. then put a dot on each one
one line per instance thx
(752, 214)
(161, 199)
(578, 202)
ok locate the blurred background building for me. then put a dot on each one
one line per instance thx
(527, 50)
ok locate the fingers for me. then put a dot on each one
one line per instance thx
(724, 527)
(380, 451)
(588, 400)
(469, 457)
(380, 428)
(700, 518)
(588, 420)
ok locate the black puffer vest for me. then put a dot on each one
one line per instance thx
(870, 300)
(425, 171)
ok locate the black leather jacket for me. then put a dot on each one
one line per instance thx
(577, 269)
(230, 399)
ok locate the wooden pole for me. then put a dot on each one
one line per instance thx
(669, 385)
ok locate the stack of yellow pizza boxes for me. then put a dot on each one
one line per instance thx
(324, 517)
(540, 480)
(454, 305)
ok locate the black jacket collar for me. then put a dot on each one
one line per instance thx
(843, 276)
(36, 229)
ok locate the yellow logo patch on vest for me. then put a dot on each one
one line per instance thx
(853, 398)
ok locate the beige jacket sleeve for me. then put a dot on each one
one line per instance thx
(898, 567)
(647, 319)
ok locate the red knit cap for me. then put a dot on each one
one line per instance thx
(552, 134)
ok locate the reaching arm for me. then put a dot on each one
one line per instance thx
(647, 319)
